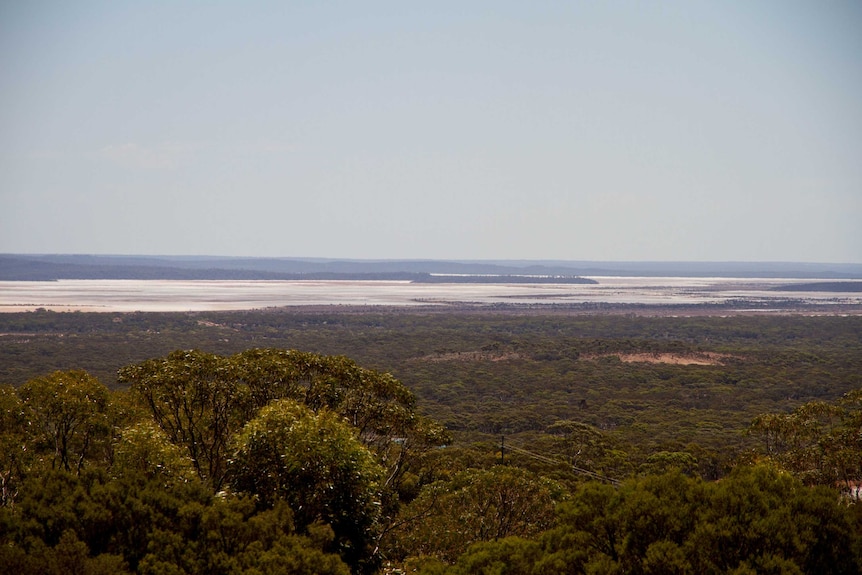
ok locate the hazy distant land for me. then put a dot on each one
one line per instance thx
(138, 283)
(21, 267)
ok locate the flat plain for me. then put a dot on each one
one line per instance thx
(716, 295)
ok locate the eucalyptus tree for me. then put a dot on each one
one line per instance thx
(68, 411)
(200, 400)
(818, 441)
(13, 438)
(143, 450)
(475, 505)
(317, 464)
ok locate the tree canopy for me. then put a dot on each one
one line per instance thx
(281, 461)
(216, 464)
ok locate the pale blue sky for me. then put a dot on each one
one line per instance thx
(471, 130)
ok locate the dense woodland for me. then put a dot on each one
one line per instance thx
(429, 441)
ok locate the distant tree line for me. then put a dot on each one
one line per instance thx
(844, 286)
(507, 279)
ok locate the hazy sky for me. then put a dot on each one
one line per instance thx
(473, 130)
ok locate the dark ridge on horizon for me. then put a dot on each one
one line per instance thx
(47, 267)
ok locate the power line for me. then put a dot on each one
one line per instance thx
(552, 461)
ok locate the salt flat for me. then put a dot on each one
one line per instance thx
(204, 295)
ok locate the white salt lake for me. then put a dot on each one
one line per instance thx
(210, 295)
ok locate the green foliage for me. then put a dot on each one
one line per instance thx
(144, 450)
(315, 463)
(200, 400)
(68, 410)
(70, 555)
(90, 522)
(96, 481)
(757, 519)
(665, 461)
(818, 441)
(14, 456)
(501, 370)
(582, 447)
(508, 556)
(308, 477)
(197, 400)
(373, 402)
(475, 505)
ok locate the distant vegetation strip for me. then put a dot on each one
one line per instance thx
(17, 269)
(846, 286)
(507, 279)
(52, 268)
